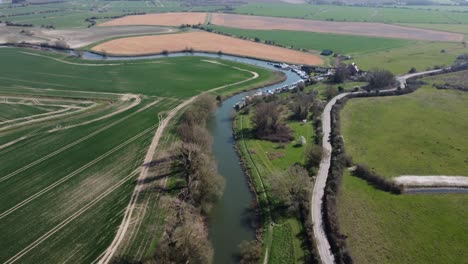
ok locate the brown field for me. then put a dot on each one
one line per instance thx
(349, 28)
(204, 41)
(164, 19)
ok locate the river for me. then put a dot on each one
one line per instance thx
(230, 220)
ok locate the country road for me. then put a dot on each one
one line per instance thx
(321, 240)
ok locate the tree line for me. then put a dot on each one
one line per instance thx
(185, 237)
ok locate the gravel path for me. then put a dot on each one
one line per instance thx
(432, 181)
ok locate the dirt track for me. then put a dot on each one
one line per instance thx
(204, 41)
(164, 19)
(349, 28)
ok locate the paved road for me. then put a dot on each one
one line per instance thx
(321, 240)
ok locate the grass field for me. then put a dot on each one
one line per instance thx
(66, 181)
(421, 55)
(343, 44)
(264, 158)
(422, 133)
(386, 228)
(348, 13)
(130, 77)
(417, 134)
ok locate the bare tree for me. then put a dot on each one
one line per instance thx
(185, 238)
(250, 252)
(291, 187)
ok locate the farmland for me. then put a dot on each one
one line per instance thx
(73, 14)
(348, 28)
(76, 38)
(356, 14)
(203, 41)
(387, 228)
(66, 180)
(417, 134)
(399, 137)
(343, 44)
(421, 55)
(167, 19)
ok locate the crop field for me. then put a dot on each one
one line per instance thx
(423, 133)
(343, 44)
(356, 14)
(263, 159)
(204, 41)
(66, 180)
(347, 28)
(386, 228)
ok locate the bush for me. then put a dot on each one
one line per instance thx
(313, 157)
(268, 124)
(380, 79)
(376, 180)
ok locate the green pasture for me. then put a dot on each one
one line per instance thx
(421, 55)
(386, 228)
(423, 133)
(343, 44)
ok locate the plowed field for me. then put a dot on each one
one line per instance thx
(204, 41)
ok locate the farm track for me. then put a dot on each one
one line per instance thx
(71, 175)
(118, 111)
(47, 116)
(70, 219)
(88, 64)
(121, 233)
(6, 177)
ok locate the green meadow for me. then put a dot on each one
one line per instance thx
(423, 133)
(386, 228)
